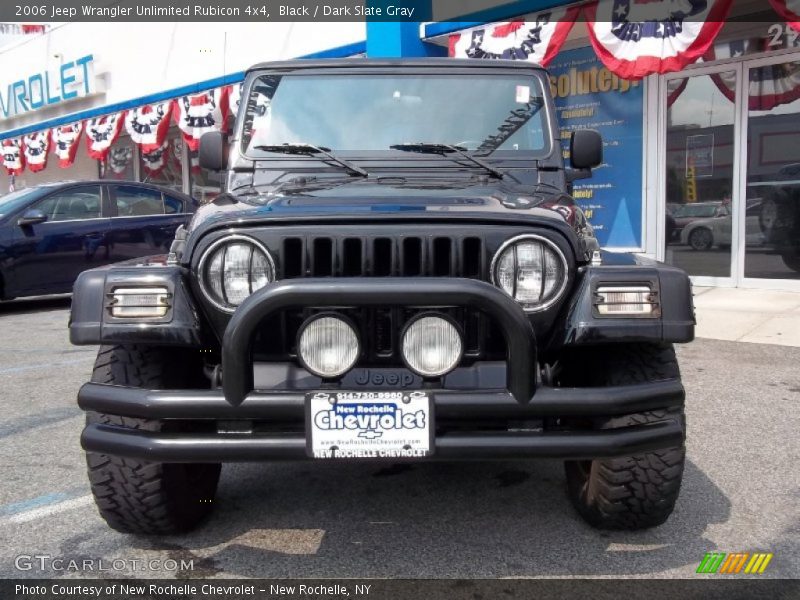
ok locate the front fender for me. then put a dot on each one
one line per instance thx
(580, 325)
(90, 320)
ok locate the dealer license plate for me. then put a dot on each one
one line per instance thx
(369, 424)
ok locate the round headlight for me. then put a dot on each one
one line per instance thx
(432, 346)
(328, 346)
(532, 270)
(233, 268)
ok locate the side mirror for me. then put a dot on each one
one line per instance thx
(32, 217)
(212, 151)
(585, 149)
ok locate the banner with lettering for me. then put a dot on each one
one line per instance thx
(197, 114)
(13, 157)
(102, 132)
(536, 39)
(789, 10)
(66, 140)
(148, 125)
(635, 39)
(588, 95)
(35, 147)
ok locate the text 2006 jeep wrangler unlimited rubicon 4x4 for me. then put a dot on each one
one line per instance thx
(395, 272)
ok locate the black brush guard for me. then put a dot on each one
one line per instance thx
(519, 401)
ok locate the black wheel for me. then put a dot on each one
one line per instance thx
(631, 492)
(701, 238)
(136, 496)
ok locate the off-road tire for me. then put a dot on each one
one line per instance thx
(135, 496)
(639, 491)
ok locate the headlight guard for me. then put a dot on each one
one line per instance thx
(532, 269)
(232, 268)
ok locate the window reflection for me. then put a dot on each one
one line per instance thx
(161, 166)
(773, 173)
(700, 143)
(119, 163)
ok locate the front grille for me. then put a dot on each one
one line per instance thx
(382, 250)
(378, 256)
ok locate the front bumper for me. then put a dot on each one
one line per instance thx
(269, 424)
(468, 407)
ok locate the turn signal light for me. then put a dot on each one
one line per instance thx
(139, 303)
(629, 301)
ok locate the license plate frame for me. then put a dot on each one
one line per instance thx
(401, 435)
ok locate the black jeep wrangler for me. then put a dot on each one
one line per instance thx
(395, 272)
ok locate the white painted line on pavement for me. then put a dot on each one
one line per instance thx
(46, 511)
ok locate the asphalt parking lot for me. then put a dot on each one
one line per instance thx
(741, 489)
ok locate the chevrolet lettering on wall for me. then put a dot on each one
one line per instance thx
(71, 79)
(407, 279)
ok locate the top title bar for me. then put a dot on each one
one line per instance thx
(222, 10)
(32, 11)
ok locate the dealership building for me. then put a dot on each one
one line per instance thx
(702, 148)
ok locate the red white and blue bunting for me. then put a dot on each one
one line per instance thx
(197, 114)
(789, 10)
(13, 157)
(537, 39)
(148, 125)
(155, 160)
(66, 139)
(119, 159)
(176, 154)
(101, 133)
(635, 39)
(769, 86)
(234, 98)
(35, 147)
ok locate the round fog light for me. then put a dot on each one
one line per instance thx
(432, 346)
(328, 346)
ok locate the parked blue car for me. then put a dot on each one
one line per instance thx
(52, 232)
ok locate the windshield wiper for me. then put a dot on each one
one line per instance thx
(443, 149)
(310, 150)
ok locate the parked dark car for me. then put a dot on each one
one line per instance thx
(50, 233)
(390, 276)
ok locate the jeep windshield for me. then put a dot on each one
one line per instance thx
(499, 116)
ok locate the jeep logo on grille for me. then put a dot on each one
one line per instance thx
(383, 377)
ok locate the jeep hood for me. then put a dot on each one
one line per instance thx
(397, 200)
(384, 197)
